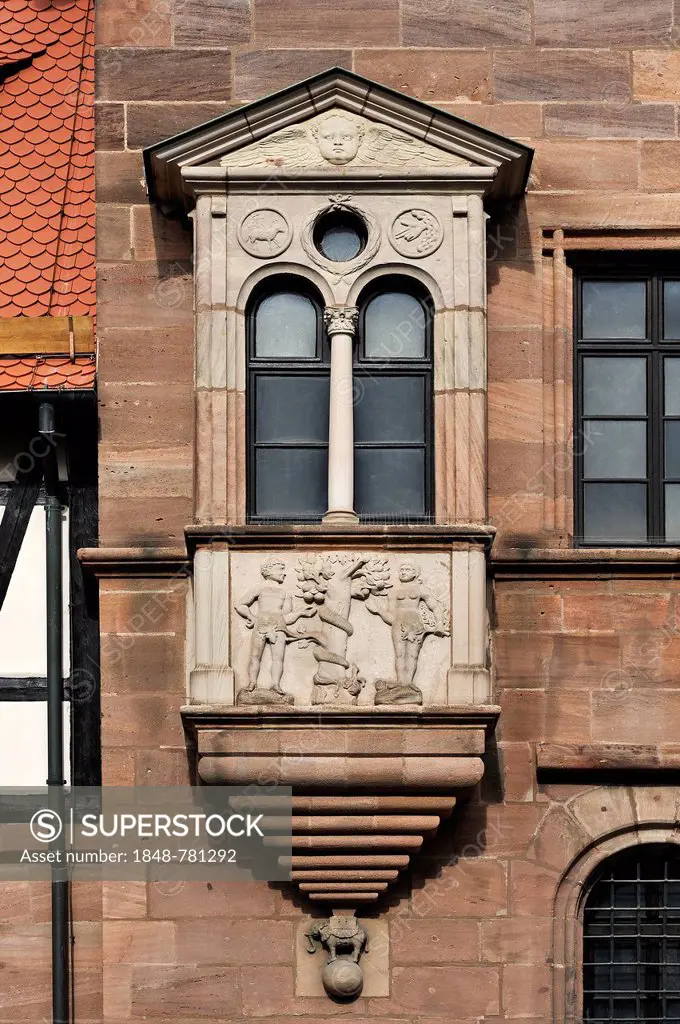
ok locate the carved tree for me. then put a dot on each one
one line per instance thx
(331, 582)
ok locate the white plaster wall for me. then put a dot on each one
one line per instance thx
(23, 643)
(23, 743)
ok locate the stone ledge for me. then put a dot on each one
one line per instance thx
(313, 534)
(482, 715)
(603, 757)
(607, 563)
(139, 562)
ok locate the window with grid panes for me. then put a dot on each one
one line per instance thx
(289, 365)
(627, 408)
(631, 938)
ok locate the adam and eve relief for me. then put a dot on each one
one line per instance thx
(318, 614)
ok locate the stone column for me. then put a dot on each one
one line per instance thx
(341, 325)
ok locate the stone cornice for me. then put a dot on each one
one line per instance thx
(208, 180)
(585, 563)
(478, 716)
(103, 562)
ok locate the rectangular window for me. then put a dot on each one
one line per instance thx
(627, 407)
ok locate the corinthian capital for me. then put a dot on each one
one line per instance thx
(341, 319)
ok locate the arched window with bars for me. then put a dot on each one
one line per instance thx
(631, 937)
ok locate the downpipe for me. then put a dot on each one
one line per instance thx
(55, 712)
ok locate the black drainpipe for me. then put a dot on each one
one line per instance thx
(55, 712)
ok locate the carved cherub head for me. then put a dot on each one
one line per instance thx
(273, 569)
(338, 138)
(408, 572)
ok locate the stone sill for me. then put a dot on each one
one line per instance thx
(481, 716)
(311, 534)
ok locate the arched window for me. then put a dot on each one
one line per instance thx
(393, 402)
(288, 399)
(631, 938)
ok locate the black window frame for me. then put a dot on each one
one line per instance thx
(654, 271)
(257, 366)
(393, 366)
(633, 899)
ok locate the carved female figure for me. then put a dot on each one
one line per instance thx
(407, 615)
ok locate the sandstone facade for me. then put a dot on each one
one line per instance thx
(585, 649)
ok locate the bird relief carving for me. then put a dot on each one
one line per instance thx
(337, 139)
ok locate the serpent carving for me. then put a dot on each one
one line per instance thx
(331, 582)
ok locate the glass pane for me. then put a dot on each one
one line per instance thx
(673, 449)
(389, 482)
(614, 387)
(672, 386)
(395, 327)
(291, 482)
(671, 309)
(286, 327)
(340, 243)
(291, 408)
(615, 512)
(673, 513)
(614, 309)
(614, 449)
(389, 409)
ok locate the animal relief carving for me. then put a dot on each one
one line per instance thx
(345, 940)
(264, 233)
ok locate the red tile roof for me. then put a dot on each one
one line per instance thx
(47, 256)
(33, 373)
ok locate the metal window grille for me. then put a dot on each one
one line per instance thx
(631, 939)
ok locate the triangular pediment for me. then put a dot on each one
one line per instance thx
(338, 138)
(338, 121)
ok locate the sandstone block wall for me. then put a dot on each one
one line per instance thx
(594, 88)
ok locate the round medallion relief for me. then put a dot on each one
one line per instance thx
(416, 233)
(265, 233)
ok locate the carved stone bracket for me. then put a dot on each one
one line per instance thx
(369, 784)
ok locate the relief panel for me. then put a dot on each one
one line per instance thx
(340, 627)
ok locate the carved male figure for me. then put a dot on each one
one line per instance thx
(270, 623)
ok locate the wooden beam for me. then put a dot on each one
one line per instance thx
(47, 336)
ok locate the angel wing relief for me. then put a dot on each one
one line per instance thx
(337, 139)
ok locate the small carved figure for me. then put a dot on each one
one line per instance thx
(339, 933)
(271, 627)
(413, 614)
(416, 233)
(264, 233)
